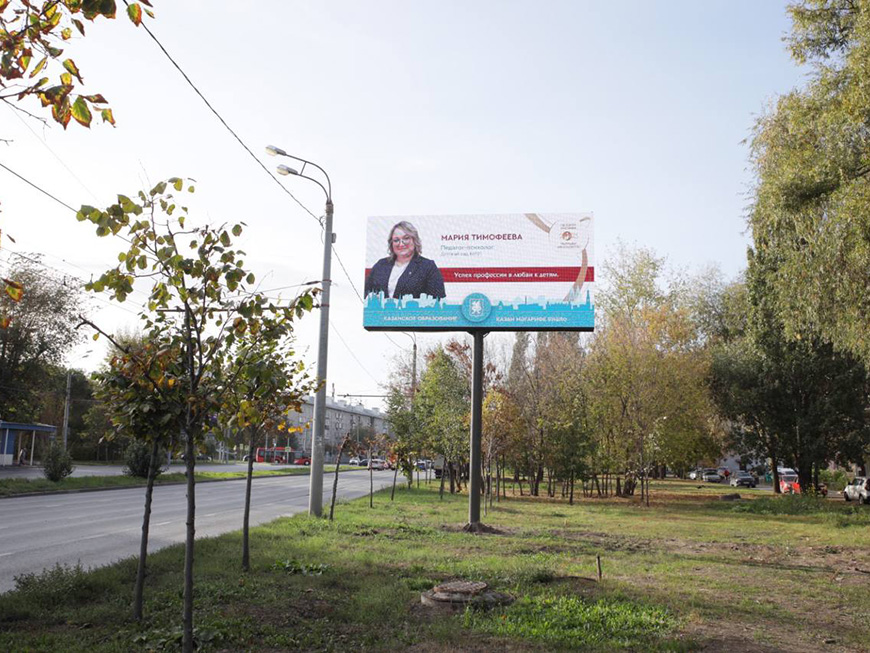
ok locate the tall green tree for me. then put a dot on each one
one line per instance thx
(407, 436)
(201, 300)
(648, 372)
(443, 405)
(795, 401)
(811, 151)
(40, 333)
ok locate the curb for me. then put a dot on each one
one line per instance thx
(136, 487)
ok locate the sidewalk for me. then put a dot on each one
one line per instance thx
(84, 469)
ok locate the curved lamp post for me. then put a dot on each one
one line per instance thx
(315, 491)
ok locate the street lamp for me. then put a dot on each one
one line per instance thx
(315, 491)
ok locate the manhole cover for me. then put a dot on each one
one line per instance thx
(461, 587)
(459, 593)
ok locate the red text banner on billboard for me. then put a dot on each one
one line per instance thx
(517, 272)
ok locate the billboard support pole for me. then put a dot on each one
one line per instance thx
(474, 480)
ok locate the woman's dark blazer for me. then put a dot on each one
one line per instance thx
(421, 277)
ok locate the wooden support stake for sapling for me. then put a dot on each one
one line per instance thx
(598, 561)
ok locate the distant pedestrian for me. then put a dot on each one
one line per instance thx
(22, 457)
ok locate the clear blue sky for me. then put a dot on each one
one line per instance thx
(634, 110)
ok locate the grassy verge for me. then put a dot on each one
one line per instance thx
(689, 573)
(14, 486)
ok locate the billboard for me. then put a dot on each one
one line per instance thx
(517, 272)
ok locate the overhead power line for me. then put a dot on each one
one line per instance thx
(221, 118)
(41, 190)
(244, 145)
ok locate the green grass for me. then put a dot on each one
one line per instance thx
(572, 622)
(690, 572)
(15, 486)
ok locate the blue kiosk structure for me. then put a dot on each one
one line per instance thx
(13, 438)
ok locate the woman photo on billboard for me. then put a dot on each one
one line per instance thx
(405, 271)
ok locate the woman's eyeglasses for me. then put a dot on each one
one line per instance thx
(404, 240)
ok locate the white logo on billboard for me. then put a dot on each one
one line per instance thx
(476, 309)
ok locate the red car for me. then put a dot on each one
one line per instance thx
(301, 458)
(788, 484)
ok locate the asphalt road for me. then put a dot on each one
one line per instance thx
(99, 528)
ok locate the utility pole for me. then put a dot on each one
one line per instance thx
(315, 489)
(414, 373)
(66, 408)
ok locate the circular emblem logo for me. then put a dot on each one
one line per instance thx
(476, 307)
(565, 235)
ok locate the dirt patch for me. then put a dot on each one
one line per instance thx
(487, 530)
(608, 541)
(826, 559)
(291, 612)
(713, 637)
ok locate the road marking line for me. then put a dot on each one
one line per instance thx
(93, 537)
(3, 555)
(163, 523)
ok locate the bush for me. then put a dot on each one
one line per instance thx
(137, 457)
(835, 480)
(55, 586)
(58, 463)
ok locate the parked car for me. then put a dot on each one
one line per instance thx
(724, 472)
(744, 479)
(301, 458)
(695, 474)
(363, 462)
(789, 484)
(858, 490)
(711, 476)
(353, 461)
(377, 463)
(204, 457)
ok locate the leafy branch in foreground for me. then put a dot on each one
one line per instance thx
(33, 37)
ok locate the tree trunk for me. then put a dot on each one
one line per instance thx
(371, 482)
(246, 552)
(335, 481)
(571, 490)
(139, 589)
(774, 467)
(395, 477)
(190, 466)
(443, 474)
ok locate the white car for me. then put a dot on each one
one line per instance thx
(377, 463)
(353, 461)
(858, 490)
